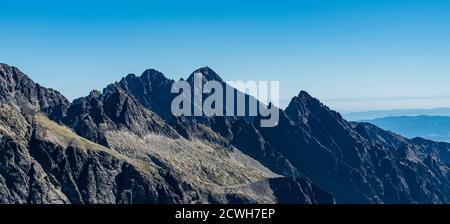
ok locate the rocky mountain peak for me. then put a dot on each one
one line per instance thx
(304, 99)
(6, 69)
(304, 107)
(207, 73)
(18, 89)
(151, 89)
(153, 75)
(95, 93)
(148, 78)
(300, 107)
(12, 78)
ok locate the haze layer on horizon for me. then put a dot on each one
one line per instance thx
(353, 55)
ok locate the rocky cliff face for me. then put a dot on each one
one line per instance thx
(16, 88)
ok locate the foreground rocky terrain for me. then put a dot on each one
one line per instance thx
(123, 145)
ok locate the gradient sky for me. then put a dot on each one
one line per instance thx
(354, 55)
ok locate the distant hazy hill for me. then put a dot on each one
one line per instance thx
(435, 128)
(369, 115)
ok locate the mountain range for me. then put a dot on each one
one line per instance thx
(375, 114)
(123, 145)
(436, 128)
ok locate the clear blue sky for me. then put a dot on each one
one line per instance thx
(354, 55)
